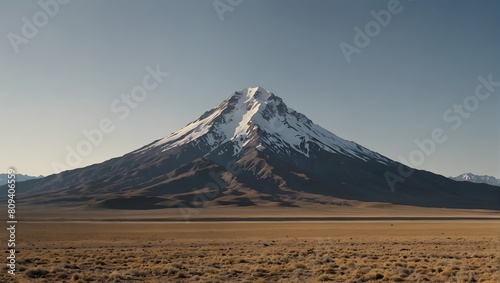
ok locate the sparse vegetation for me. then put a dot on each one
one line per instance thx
(199, 252)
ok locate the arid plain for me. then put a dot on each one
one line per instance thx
(258, 251)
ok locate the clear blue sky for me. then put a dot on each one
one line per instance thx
(395, 90)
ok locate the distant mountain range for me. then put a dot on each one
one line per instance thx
(251, 150)
(480, 179)
(19, 178)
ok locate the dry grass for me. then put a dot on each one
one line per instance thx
(258, 252)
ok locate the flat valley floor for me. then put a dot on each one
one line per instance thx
(335, 251)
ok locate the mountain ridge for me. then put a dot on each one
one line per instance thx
(282, 158)
(482, 179)
(19, 178)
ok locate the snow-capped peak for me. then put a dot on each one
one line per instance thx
(469, 177)
(229, 121)
(257, 110)
(258, 93)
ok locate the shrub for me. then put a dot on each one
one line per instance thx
(36, 272)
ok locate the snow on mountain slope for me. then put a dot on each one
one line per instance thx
(281, 128)
(469, 177)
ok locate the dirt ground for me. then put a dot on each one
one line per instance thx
(336, 251)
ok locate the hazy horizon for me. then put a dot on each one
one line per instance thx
(71, 74)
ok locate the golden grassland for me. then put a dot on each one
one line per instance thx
(341, 251)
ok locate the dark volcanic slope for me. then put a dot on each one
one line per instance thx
(250, 150)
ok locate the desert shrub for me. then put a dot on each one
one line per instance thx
(181, 275)
(36, 272)
(116, 275)
(324, 277)
(76, 276)
(62, 276)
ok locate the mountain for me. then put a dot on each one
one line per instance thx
(251, 150)
(484, 179)
(19, 178)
